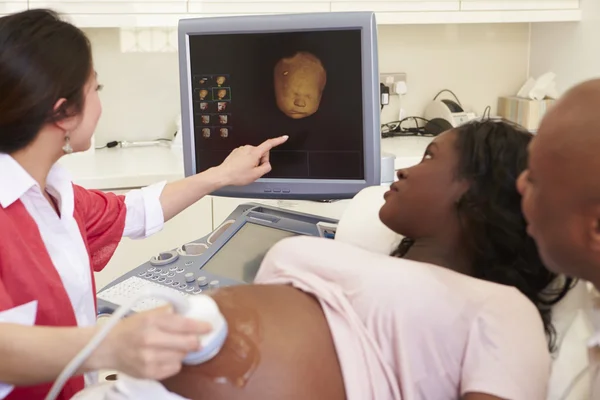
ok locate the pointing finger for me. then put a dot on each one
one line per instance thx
(265, 158)
(271, 143)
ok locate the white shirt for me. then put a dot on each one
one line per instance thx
(594, 348)
(62, 237)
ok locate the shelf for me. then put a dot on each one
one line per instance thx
(384, 18)
(478, 17)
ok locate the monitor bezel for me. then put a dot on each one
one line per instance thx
(278, 188)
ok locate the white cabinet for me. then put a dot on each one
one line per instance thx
(119, 7)
(396, 6)
(245, 7)
(191, 224)
(224, 7)
(9, 7)
(514, 5)
(223, 206)
(167, 13)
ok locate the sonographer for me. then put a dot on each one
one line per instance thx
(54, 234)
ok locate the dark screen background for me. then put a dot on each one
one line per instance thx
(326, 145)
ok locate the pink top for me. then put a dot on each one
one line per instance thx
(407, 330)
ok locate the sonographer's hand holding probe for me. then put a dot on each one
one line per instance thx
(150, 345)
(153, 344)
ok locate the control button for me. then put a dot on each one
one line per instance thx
(158, 270)
(189, 289)
(182, 286)
(267, 190)
(189, 277)
(180, 270)
(169, 281)
(151, 269)
(213, 284)
(197, 291)
(286, 190)
(171, 274)
(155, 277)
(276, 190)
(188, 263)
(148, 275)
(202, 281)
(175, 284)
(173, 269)
(165, 273)
(142, 273)
(162, 279)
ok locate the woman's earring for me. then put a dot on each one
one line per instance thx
(67, 147)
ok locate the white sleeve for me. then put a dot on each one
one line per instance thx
(144, 212)
(507, 351)
(22, 315)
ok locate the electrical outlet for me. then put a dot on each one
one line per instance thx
(388, 79)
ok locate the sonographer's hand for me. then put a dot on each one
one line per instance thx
(151, 344)
(248, 163)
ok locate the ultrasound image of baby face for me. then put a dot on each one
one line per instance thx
(299, 84)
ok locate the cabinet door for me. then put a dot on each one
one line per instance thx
(223, 206)
(514, 5)
(191, 224)
(9, 7)
(395, 6)
(112, 6)
(245, 7)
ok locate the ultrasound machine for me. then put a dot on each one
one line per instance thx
(313, 77)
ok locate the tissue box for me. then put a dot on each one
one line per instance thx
(525, 112)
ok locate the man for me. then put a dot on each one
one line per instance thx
(561, 192)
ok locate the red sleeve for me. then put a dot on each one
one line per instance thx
(101, 218)
(6, 302)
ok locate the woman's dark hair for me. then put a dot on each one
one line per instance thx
(42, 59)
(492, 154)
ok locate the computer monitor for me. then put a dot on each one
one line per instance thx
(313, 77)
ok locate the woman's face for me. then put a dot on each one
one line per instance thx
(82, 133)
(424, 197)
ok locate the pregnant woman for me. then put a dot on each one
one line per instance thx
(461, 310)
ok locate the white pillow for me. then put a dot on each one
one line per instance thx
(360, 224)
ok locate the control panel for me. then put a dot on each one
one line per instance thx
(230, 255)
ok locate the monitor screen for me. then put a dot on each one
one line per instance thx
(312, 77)
(307, 85)
(241, 256)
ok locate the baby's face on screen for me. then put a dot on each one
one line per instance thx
(299, 84)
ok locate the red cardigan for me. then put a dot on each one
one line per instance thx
(27, 272)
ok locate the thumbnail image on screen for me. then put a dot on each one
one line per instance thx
(307, 85)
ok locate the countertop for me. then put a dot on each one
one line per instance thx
(131, 167)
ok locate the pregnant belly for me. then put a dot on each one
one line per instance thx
(279, 347)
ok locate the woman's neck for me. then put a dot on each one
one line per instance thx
(449, 256)
(37, 161)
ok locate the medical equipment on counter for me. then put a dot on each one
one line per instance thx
(202, 308)
(248, 94)
(444, 114)
(231, 255)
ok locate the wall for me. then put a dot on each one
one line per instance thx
(571, 50)
(478, 62)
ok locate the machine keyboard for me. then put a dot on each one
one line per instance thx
(124, 291)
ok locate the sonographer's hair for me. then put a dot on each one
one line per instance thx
(492, 154)
(42, 59)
